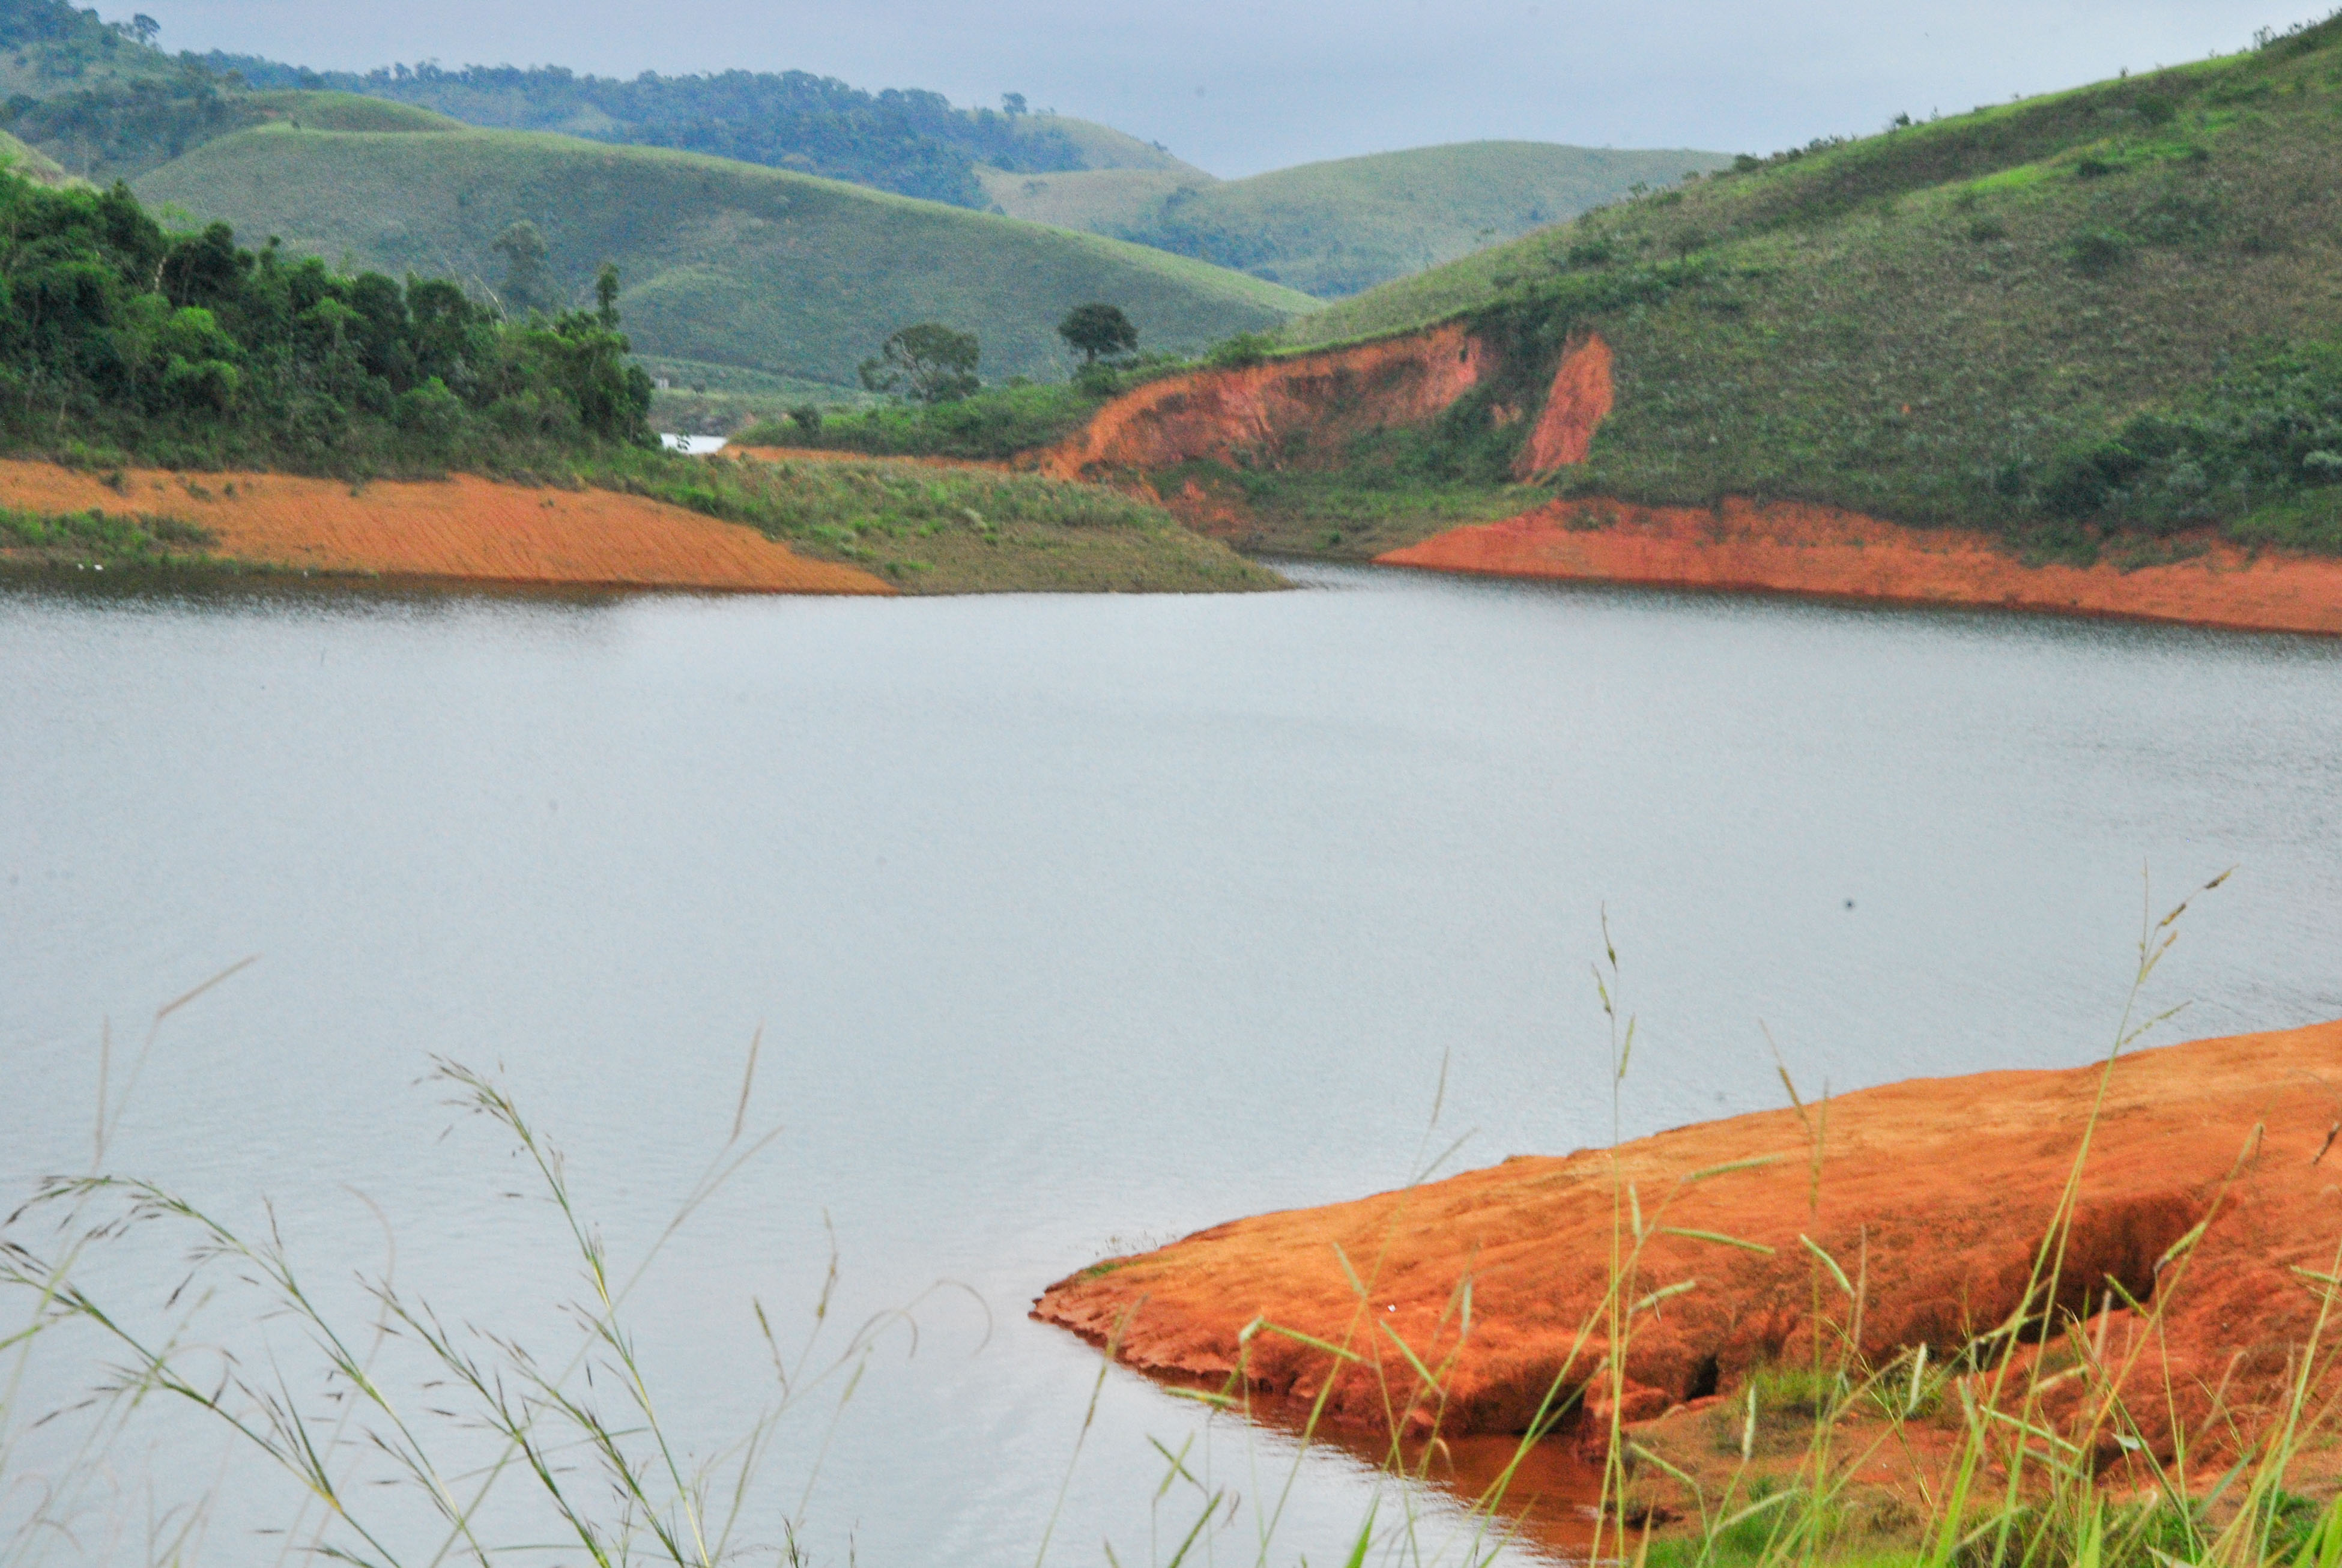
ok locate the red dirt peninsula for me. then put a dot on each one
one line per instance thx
(1795, 549)
(1295, 410)
(1934, 1194)
(1574, 408)
(463, 528)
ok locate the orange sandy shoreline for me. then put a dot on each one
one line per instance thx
(2210, 1154)
(1788, 547)
(461, 529)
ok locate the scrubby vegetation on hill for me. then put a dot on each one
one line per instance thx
(929, 530)
(47, 46)
(2114, 308)
(727, 263)
(1334, 228)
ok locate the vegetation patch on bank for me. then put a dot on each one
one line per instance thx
(935, 530)
(101, 538)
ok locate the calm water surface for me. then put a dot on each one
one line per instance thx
(1071, 924)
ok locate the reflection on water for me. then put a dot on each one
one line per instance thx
(1066, 921)
(1545, 1494)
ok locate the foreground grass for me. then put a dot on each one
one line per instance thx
(1777, 1471)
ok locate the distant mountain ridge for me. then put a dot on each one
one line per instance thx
(910, 141)
(1334, 228)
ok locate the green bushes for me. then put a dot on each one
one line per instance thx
(188, 349)
(2096, 252)
(2262, 439)
(990, 425)
(106, 539)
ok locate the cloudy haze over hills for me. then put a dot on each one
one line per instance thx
(1240, 87)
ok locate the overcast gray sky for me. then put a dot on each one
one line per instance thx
(1243, 86)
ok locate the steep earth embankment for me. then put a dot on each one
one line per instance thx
(1295, 412)
(461, 528)
(1933, 1193)
(1786, 547)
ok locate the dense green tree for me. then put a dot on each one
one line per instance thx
(528, 282)
(1098, 330)
(605, 295)
(188, 347)
(929, 363)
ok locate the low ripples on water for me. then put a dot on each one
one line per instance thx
(1071, 924)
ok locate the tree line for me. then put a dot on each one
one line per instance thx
(192, 350)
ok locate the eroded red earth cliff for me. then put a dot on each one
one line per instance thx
(1291, 412)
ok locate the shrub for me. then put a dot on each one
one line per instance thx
(2097, 252)
(2082, 479)
(1246, 348)
(430, 411)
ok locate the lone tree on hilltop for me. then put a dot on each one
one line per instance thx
(528, 283)
(605, 295)
(928, 363)
(1096, 331)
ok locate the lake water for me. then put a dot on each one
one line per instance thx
(1071, 924)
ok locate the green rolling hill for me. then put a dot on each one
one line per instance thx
(2114, 311)
(30, 163)
(1335, 228)
(726, 263)
(1096, 146)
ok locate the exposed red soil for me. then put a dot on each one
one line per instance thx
(1574, 408)
(1795, 549)
(1295, 411)
(1934, 1194)
(461, 528)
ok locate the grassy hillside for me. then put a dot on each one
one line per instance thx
(726, 263)
(2116, 308)
(1096, 146)
(1101, 201)
(933, 530)
(46, 46)
(29, 162)
(346, 112)
(1334, 228)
